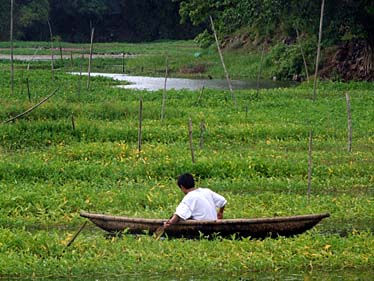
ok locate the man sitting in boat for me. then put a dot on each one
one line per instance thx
(198, 203)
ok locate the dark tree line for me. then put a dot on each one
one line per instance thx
(113, 20)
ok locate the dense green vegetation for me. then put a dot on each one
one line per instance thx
(282, 23)
(344, 20)
(280, 27)
(256, 155)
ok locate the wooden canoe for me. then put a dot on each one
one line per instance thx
(254, 228)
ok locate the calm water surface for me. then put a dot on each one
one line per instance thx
(157, 83)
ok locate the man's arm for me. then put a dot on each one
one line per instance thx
(174, 219)
(220, 213)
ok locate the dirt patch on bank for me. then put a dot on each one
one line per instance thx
(350, 61)
(346, 62)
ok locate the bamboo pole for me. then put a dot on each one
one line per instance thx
(21, 84)
(349, 117)
(201, 95)
(52, 56)
(140, 125)
(11, 49)
(202, 132)
(80, 74)
(310, 163)
(302, 54)
(31, 108)
(259, 71)
(123, 62)
(164, 92)
(71, 61)
(318, 50)
(32, 58)
(76, 234)
(190, 140)
(60, 47)
(90, 59)
(72, 121)
(28, 88)
(223, 63)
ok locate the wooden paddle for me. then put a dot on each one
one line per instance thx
(76, 234)
(159, 231)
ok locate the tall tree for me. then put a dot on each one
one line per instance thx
(32, 17)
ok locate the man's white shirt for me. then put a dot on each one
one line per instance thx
(200, 204)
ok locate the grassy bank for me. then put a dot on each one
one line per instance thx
(184, 59)
(256, 155)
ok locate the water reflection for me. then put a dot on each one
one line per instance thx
(157, 83)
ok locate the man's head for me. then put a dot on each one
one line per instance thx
(186, 180)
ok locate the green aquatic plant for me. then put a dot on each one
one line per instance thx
(78, 151)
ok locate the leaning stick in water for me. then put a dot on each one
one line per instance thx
(31, 109)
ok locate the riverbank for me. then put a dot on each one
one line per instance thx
(183, 59)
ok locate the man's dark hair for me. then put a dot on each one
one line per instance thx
(186, 180)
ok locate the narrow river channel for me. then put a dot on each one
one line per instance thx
(157, 83)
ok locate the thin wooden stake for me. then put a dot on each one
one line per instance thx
(202, 132)
(259, 71)
(61, 58)
(164, 93)
(310, 163)
(302, 54)
(21, 84)
(318, 51)
(11, 49)
(223, 63)
(72, 121)
(71, 60)
(140, 125)
(201, 95)
(28, 89)
(190, 139)
(123, 62)
(90, 59)
(80, 74)
(32, 58)
(52, 56)
(349, 116)
(32, 108)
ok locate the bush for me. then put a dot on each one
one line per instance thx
(286, 61)
(204, 39)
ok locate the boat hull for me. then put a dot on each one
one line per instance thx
(254, 228)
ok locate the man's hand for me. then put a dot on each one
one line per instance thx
(174, 219)
(220, 213)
